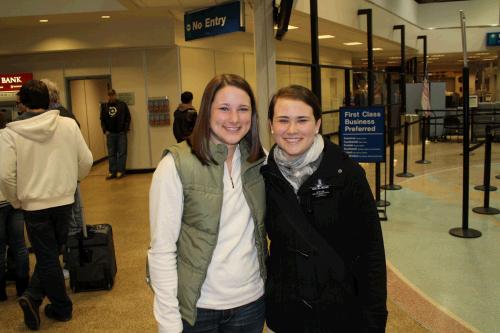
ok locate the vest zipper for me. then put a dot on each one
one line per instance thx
(231, 178)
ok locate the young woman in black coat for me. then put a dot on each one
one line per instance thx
(326, 267)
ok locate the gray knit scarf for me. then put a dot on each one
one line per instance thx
(297, 170)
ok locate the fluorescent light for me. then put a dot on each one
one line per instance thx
(44, 21)
(352, 43)
(437, 55)
(488, 59)
(105, 16)
(431, 28)
(482, 53)
(325, 36)
(377, 49)
(394, 57)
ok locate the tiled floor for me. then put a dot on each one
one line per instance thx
(458, 276)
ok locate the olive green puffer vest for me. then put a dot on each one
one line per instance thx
(203, 190)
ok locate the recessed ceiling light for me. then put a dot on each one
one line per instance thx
(377, 49)
(431, 28)
(105, 16)
(488, 59)
(290, 27)
(325, 36)
(352, 43)
(493, 25)
(364, 59)
(393, 62)
(437, 55)
(394, 57)
(44, 21)
(482, 53)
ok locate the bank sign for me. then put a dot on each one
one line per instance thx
(362, 133)
(13, 82)
(222, 19)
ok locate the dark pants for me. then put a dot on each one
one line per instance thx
(12, 233)
(48, 232)
(244, 319)
(117, 151)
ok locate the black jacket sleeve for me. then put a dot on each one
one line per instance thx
(127, 117)
(375, 295)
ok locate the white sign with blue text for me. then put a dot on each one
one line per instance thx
(362, 133)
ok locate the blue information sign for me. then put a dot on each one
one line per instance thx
(493, 39)
(213, 21)
(362, 133)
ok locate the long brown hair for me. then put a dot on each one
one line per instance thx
(200, 138)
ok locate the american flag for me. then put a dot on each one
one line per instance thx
(425, 100)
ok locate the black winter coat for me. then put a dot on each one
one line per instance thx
(326, 267)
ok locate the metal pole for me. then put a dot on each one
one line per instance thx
(464, 231)
(405, 172)
(423, 137)
(424, 38)
(486, 209)
(315, 68)
(369, 33)
(391, 186)
(347, 87)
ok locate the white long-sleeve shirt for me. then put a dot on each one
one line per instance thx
(233, 276)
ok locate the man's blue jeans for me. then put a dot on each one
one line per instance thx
(117, 151)
(244, 319)
(48, 233)
(12, 233)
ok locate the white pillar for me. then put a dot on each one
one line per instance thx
(265, 63)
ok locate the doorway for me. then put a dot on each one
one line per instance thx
(85, 95)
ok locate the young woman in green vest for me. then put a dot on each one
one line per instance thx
(207, 202)
(326, 267)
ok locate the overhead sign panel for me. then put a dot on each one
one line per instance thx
(221, 19)
(493, 39)
(362, 133)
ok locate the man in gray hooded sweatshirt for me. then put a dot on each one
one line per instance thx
(43, 156)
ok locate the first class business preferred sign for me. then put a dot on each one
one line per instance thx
(362, 133)
(222, 19)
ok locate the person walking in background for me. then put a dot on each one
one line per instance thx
(115, 123)
(43, 156)
(206, 203)
(326, 266)
(184, 117)
(12, 234)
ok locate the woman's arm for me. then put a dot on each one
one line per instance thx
(165, 214)
(374, 301)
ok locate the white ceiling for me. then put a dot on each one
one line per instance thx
(27, 13)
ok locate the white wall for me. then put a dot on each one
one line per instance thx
(144, 72)
(477, 12)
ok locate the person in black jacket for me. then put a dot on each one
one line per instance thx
(326, 266)
(184, 117)
(115, 123)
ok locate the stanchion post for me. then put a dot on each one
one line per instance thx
(391, 186)
(486, 209)
(464, 231)
(423, 137)
(405, 172)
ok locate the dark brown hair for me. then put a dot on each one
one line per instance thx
(297, 93)
(200, 138)
(34, 95)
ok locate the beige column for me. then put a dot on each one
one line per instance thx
(265, 63)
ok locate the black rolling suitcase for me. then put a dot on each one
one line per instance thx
(90, 258)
